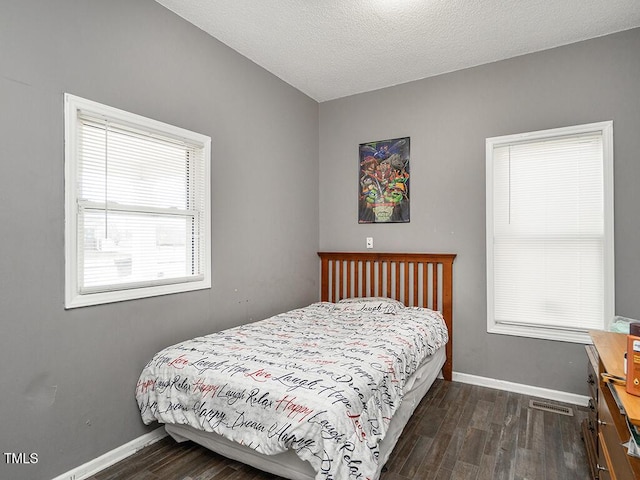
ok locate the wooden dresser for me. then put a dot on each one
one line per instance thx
(606, 428)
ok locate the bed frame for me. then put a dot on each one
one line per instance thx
(415, 279)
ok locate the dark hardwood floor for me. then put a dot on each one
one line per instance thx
(458, 431)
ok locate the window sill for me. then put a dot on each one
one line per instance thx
(86, 300)
(541, 333)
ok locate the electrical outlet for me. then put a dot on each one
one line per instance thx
(369, 242)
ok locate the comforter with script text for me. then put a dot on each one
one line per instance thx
(323, 380)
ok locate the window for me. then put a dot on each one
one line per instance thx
(137, 195)
(550, 232)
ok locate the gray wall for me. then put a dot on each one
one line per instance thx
(448, 119)
(68, 377)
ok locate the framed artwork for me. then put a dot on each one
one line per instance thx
(384, 181)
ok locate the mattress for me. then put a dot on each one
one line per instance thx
(323, 381)
(288, 464)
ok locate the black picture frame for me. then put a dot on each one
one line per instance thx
(384, 181)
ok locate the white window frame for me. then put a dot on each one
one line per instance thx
(74, 295)
(531, 331)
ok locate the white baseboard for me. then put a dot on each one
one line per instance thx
(114, 456)
(556, 395)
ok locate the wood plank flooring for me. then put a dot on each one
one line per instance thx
(457, 432)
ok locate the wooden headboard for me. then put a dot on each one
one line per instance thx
(415, 279)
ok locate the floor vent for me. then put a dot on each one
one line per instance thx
(550, 407)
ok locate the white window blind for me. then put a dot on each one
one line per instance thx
(137, 206)
(550, 232)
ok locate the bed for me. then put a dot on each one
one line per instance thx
(319, 392)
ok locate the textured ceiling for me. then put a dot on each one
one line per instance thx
(333, 48)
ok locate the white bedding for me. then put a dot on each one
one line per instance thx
(287, 464)
(322, 381)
